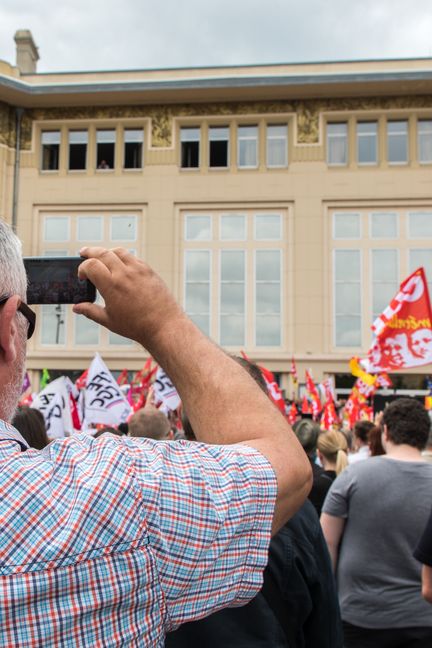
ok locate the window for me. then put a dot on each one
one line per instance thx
(133, 148)
(50, 150)
(123, 228)
(247, 154)
(268, 227)
(422, 258)
(218, 146)
(197, 227)
(232, 298)
(233, 227)
(197, 288)
(346, 225)
(239, 274)
(347, 298)
(367, 150)
(56, 229)
(268, 298)
(190, 147)
(277, 145)
(424, 140)
(397, 142)
(385, 276)
(105, 142)
(419, 225)
(337, 144)
(384, 225)
(78, 141)
(89, 228)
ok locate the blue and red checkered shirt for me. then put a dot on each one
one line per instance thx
(114, 541)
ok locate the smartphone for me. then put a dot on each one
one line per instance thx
(54, 280)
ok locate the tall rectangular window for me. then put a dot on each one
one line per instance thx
(397, 142)
(190, 147)
(277, 145)
(50, 141)
(424, 141)
(232, 298)
(105, 153)
(218, 146)
(133, 148)
(268, 298)
(247, 143)
(197, 288)
(367, 140)
(422, 258)
(78, 141)
(347, 298)
(385, 279)
(337, 144)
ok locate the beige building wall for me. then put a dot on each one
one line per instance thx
(307, 194)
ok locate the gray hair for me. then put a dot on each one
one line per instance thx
(13, 279)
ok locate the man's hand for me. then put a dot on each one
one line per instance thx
(137, 302)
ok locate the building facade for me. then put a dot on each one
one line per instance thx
(282, 204)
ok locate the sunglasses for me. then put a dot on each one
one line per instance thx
(28, 314)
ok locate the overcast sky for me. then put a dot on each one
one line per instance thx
(137, 34)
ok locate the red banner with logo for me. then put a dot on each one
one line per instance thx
(403, 332)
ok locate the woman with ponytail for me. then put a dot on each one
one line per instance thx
(332, 452)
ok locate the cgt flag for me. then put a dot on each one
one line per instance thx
(103, 400)
(403, 332)
(54, 403)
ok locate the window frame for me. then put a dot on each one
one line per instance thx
(400, 135)
(365, 135)
(248, 138)
(269, 138)
(336, 136)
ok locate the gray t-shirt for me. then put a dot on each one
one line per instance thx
(386, 503)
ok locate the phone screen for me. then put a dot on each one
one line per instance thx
(54, 280)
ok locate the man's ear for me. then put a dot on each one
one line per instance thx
(9, 330)
(385, 433)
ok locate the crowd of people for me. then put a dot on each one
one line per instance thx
(235, 531)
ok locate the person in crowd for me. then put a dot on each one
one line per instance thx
(372, 519)
(332, 452)
(423, 553)
(107, 428)
(297, 606)
(114, 541)
(150, 424)
(31, 424)
(376, 448)
(307, 432)
(361, 446)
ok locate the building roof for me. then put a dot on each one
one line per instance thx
(213, 84)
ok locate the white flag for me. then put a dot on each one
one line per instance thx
(53, 402)
(165, 392)
(104, 402)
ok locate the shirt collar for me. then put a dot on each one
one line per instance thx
(9, 433)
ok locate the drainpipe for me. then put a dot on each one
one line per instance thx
(18, 117)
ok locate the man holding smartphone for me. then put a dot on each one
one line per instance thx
(115, 541)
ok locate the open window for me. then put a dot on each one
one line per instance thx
(133, 148)
(50, 150)
(218, 146)
(190, 147)
(105, 142)
(78, 141)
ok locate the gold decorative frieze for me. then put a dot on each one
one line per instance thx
(307, 112)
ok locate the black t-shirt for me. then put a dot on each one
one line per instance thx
(320, 486)
(423, 552)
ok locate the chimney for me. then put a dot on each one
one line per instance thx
(26, 52)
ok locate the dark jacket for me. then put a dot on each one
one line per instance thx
(300, 576)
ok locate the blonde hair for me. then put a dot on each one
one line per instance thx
(333, 446)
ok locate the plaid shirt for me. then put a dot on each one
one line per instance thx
(115, 541)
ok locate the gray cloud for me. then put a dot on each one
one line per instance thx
(107, 34)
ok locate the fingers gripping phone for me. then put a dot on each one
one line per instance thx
(54, 280)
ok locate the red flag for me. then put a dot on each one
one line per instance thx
(404, 330)
(76, 420)
(81, 382)
(292, 414)
(122, 378)
(313, 393)
(306, 408)
(383, 380)
(329, 416)
(352, 407)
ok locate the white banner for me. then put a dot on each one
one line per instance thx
(165, 392)
(53, 402)
(103, 400)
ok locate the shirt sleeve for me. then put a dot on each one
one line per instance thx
(337, 500)
(209, 511)
(423, 551)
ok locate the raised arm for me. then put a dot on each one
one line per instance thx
(223, 402)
